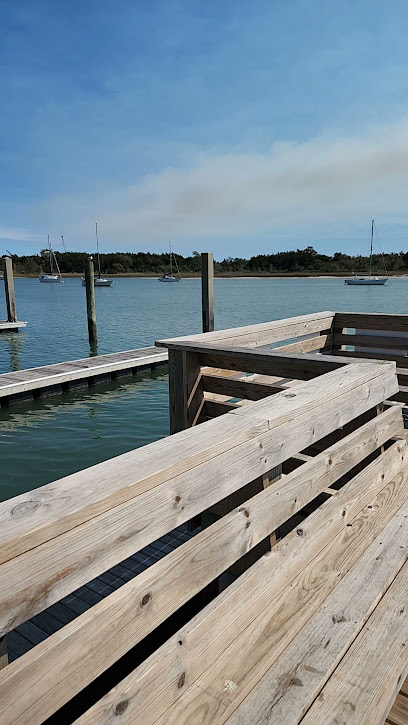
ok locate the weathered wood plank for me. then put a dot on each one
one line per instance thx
(32, 518)
(322, 642)
(263, 333)
(37, 378)
(267, 362)
(59, 566)
(247, 389)
(390, 343)
(363, 687)
(400, 360)
(302, 346)
(150, 690)
(399, 712)
(371, 321)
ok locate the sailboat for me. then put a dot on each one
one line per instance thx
(367, 278)
(99, 281)
(52, 276)
(170, 277)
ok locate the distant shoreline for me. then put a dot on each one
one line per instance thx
(220, 275)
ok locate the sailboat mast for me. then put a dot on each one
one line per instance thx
(50, 256)
(371, 247)
(171, 261)
(97, 250)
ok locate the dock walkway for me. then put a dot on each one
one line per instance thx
(6, 326)
(54, 379)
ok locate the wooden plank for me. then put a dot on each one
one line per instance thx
(214, 408)
(141, 604)
(263, 333)
(149, 691)
(34, 517)
(404, 688)
(314, 653)
(36, 378)
(267, 362)
(31, 518)
(241, 388)
(391, 343)
(266, 698)
(313, 343)
(400, 360)
(371, 321)
(41, 576)
(399, 712)
(364, 686)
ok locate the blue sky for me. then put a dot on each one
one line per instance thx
(237, 126)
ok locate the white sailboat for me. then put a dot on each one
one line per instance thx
(367, 278)
(52, 276)
(99, 281)
(170, 277)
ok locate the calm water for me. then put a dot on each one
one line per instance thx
(47, 440)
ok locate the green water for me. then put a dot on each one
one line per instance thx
(50, 439)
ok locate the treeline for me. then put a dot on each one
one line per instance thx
(297, 261)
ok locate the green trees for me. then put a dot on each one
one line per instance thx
(299, 261)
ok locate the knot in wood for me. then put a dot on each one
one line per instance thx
(146, 599)
(121, 707)
(181, 680)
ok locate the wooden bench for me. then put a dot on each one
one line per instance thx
(315, 631)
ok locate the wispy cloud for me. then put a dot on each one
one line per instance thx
(329, 180)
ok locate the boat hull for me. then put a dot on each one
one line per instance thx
(169, 279)
(98, 282)
(367, 281)
(51, 279)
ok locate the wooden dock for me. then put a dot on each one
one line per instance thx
(53, 379)
(312, 632)
(6, 326)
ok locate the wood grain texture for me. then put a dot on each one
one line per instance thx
(364, 686)
(30, 519)
(400, 360)
(314, 653)
(398, 714)
(371, 321)
(266, 362)
(228, 617)
(263, 333)
(39, 577)
(390, 343)
(314, 343)
(248, 389)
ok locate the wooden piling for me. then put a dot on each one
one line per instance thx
(90, 300)
(207, 291)
(9, 289)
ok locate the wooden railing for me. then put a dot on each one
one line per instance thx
(207, 370)
(58, 537)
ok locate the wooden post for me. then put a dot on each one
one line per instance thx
(9, 289)
(186, 396)
(207, 290)
(90, 300)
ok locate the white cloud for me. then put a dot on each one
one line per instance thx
(317, 182)
(326, 182)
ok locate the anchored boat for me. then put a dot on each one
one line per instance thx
(367, 278)
(99, 281)
(52, 276)
(169, 277)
